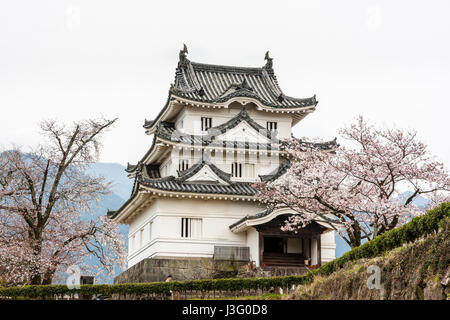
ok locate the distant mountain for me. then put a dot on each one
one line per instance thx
(120, 189)
(115, 173)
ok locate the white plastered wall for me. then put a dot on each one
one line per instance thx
(165, 216)
(191, 119)
(328, 246)
(253, 243)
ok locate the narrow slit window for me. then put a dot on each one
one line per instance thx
(272, 126)
(150, 231)
(206, 123)
(141, 238)
(183, 165)
(132, 243)
(191, 228)
(236, 170)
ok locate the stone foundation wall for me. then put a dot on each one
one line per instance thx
(151, 270)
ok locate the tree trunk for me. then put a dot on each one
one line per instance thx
(36, 279)
(354, 235)
(36, 244)
(48, 277)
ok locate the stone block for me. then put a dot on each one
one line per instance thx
(151, 270)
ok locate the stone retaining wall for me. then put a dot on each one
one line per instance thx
(151, 270)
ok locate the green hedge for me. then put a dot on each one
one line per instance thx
(162, 288)
(413, 230)
(417, 228)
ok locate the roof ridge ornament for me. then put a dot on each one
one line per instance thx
(244, 85)
(131, 167)
(269, 64)
(185, 175)
(183, 60)
(243, 114)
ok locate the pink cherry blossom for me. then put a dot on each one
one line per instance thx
(46, 198)
(357, 190)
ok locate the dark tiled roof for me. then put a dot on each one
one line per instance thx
(284, 166)
(255, 216)
(243, 116)
(134, 192)
(218, 83)
(313, 226)
(148, 123)
(180, 184)
(188, 173)
(112, 213)
(327, 145)
(278, 172)
(175, 184)
(152, 171)
(131, 167)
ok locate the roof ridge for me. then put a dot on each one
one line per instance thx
(224, 68)
(188, 173)
(277, 172)
(241, 116)
(162, 179)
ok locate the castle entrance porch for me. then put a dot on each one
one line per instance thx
(299, 248)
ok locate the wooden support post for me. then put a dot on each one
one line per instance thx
(261, 250)
(319, 249)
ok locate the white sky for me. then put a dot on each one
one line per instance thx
(387, 60)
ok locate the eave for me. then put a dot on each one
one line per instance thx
(146, 195)
(158, 151)
(261, 218)
(186, 146)
(175, 102)
(132, 205)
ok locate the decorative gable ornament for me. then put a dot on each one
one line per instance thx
(244, 132)
(206, 175)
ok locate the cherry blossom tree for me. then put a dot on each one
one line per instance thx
(358, 190)
(46, 197)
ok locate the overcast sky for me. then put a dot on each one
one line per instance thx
(387, 60)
